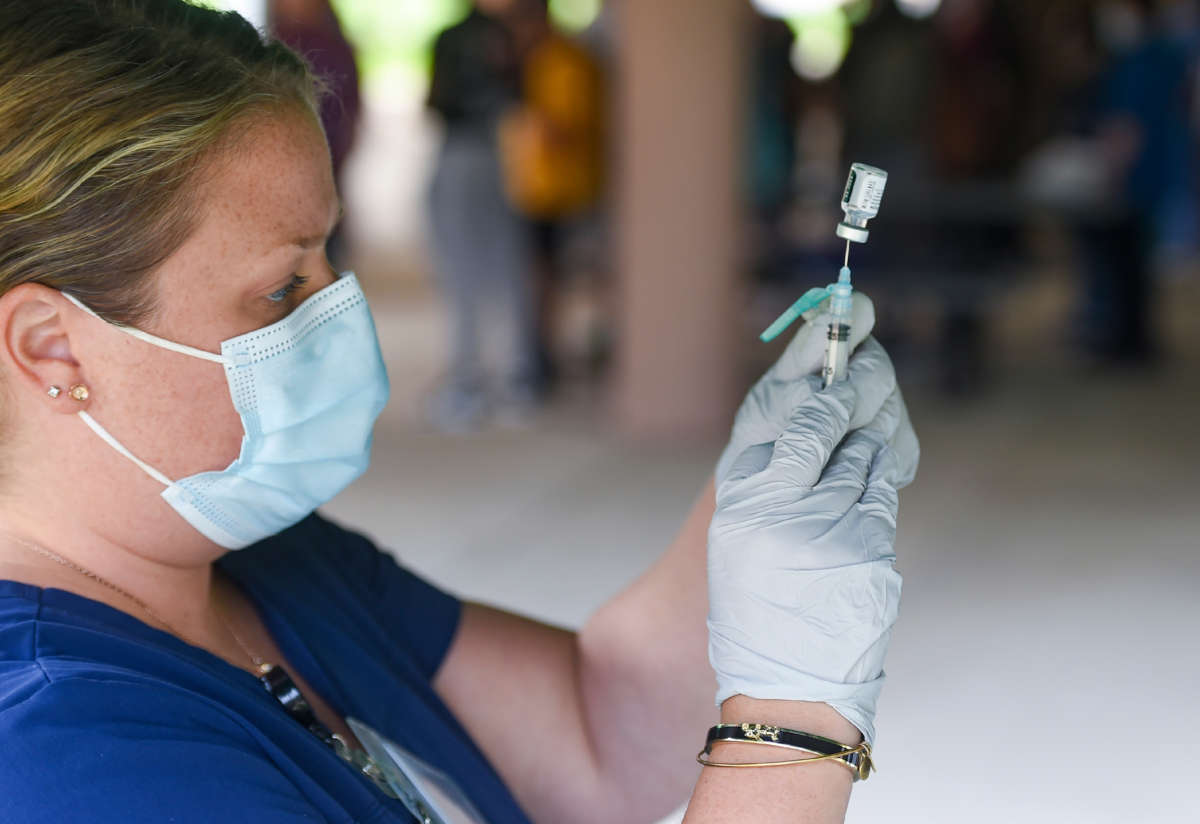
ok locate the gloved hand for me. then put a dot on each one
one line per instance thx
(765, 411)
(802, 589)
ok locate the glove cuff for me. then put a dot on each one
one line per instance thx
(854, 702)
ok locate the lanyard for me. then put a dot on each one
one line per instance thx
(283, 689)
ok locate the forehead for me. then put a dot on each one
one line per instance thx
(272, 183)
(263, 204)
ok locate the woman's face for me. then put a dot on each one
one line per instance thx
(267, 205)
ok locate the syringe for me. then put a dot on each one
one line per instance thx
(860, 203)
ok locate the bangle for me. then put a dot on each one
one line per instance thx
(856, 759)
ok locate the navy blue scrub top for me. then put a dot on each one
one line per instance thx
(106, 719)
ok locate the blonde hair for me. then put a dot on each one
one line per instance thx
(108, 110)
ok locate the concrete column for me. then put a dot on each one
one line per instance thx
(680, 119)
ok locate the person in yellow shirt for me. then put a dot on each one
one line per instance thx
(552, 149)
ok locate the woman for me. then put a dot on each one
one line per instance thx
(184, 375)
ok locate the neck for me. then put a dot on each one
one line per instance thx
(178, 599)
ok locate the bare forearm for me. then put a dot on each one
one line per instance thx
(645, 678)
(601, 725)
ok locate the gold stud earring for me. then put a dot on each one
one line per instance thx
(78, 392)
(54, 391)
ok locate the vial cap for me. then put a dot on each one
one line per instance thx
(852, 233)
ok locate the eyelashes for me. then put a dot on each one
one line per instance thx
(281, 295)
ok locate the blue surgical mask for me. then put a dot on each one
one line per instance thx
(308, 390)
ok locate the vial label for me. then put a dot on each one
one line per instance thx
(849, 187)
(864, 189)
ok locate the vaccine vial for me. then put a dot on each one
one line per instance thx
(860, 201)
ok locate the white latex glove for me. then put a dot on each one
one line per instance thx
(765, 411)
(802, 589)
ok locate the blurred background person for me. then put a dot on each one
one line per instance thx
(1140, 117)
(481, 245)
(976, 132)
(937, 100)
(311, 28)
(553, 148)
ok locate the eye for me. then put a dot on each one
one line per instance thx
(295, 283)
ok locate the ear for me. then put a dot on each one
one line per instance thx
(36, 353)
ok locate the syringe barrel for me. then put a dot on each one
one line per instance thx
(837, 347)
(837, 351)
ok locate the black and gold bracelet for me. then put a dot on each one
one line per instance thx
(856, 759)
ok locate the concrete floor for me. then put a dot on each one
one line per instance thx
(1045, 665)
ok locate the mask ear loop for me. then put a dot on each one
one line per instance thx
(115, 444)
(162, 343)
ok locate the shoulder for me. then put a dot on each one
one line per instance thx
(60, 650)
(52, 703)
(76, 694)
(328, 579)
(111, 746)
(457, 33)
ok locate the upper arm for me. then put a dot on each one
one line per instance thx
(416, 615)
(552, 710)
(514, 684)
(82, 750)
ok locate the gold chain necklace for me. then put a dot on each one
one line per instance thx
(260, 665)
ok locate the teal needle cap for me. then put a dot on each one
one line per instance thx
(810, 300)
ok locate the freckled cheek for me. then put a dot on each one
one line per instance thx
(218, 422)
(199, 420)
